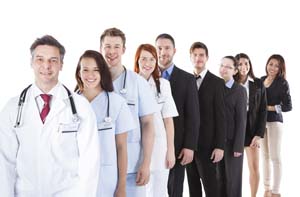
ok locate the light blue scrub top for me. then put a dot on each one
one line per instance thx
(141, 102)
(121, 121)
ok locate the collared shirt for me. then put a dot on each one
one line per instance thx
(200, 79)
(229, 83)
(37, 95)
(246, 86)
(167, 73)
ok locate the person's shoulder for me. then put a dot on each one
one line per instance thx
(258, 82)
(214, 77)
(80, 100)
(182, 72)
(163, 81)
(116, 98)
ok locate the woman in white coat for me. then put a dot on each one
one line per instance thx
(52, 156)
(114, 120)
(163, 155)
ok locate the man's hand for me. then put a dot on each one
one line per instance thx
(186, 156)
(217, 155)
(237, 154)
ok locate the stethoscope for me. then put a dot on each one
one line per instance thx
(124, 90)
(107, 119)
(22, 101)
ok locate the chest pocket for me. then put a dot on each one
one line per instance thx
(107, 144)
(134, 135)
(65, 146)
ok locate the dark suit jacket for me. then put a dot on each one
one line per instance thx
(236, 116)
(257, 112)
(212, 112)
(184, 92)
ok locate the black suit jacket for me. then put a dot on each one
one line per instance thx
(257, 112)
(184, 92)
(236, 116)
(212, 112)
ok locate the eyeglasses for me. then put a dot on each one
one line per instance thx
(227, 67)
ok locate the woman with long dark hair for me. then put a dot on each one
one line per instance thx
(256, 116)
(279, 100)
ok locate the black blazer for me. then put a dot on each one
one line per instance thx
(212, 112)
(184, 92)
(236, 116)
(257, 112)
(278, 93)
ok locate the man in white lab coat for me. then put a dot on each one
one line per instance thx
(48, 147)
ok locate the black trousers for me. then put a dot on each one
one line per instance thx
(176, 179)
(232, 171)
(202, 169)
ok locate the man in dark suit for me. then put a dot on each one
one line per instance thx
(212, 127)
(184, 92)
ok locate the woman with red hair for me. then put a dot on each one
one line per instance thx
(163, 155)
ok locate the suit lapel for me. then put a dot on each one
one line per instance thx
(173, 77)
(205, 80)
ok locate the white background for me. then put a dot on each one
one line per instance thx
(227, 27)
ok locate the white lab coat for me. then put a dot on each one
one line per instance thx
(40, 160)
(121, 121)
(159, 173)
(141, 103)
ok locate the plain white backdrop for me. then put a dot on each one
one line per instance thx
(227, 27)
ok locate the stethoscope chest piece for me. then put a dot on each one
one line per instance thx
(107, 119)
(123, 91)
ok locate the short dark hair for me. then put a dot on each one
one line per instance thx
(113, 32)
(51, 41)
(199, 45)
(233, 60)
(106, 80)
(166, 36)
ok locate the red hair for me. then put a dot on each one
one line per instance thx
(156, 73)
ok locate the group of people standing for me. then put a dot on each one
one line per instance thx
(134, 133)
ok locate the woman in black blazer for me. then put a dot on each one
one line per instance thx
(235, 98)
(256, 116)
(279, 100)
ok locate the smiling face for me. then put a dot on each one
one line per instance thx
(166, 51)
(46, 64)
(146, 63)
(90, 74)
(273, 68)
(112, 48)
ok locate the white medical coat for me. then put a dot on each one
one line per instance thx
(50, 159)
(167, 108)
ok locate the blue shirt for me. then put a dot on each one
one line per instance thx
(229, 83)
(167, 73)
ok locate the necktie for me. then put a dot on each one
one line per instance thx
(165, 75)
(198, 80)
(46, 98)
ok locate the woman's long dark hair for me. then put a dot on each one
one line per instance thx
(106, 80)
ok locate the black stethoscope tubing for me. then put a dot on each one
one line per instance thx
(22, 101)
(123, 90)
